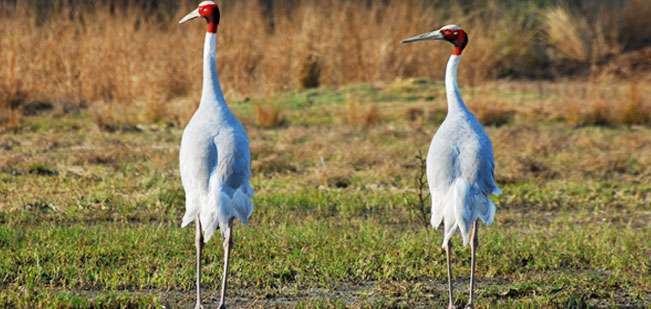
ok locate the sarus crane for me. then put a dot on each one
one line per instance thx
(460, 166)
(214, 159)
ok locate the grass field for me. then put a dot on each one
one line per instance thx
(90, 217)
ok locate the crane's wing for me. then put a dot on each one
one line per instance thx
(230, 193)
(486, 168)
(467, 197)
(198, 160)
(233, 167)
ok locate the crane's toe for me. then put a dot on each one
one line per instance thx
(198, 306)
(469, 306)
(222, 306)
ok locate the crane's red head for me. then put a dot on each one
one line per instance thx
(457, 36)
(451, 33)
(208, 10)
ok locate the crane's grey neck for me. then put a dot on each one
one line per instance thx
(455, 103)
(211, 95)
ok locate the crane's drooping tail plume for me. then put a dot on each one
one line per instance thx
(454, 209)
(237, 205)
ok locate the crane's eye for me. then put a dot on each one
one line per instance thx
(455, 33)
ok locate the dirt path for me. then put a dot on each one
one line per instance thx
(348, 294)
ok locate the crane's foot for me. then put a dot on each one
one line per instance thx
(451, 306)
(222, 306)
(198, 306)
(469, 306)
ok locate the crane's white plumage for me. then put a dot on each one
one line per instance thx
(215, 158)
(460, 166)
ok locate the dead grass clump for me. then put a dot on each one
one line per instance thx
(9, 117)
(589, 113)
(415, 113)
(274, 164)
(633, 111)
(601, 112)
(495, 49)
(272, 158)
(310, 73)
(179, 110)
(332, 177)
(113, 117)
(362, 116)
(490, 114)
(569, 33)
(268, 116)
(11, 94)
(634, 23)
(590, 38)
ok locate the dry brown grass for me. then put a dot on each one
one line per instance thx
(414, 114)
(595, 37)
(268, 115)
(634, 19)
(141, 62)
(491, 114)
(9, 117)
(579, 39)
(362, 115)
(634, 110)
(568, 33)
(629, 109)
(586, 113)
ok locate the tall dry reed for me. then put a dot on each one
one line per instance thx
(141, 63)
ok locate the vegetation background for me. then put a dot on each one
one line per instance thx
(132, 54)
(94, 96)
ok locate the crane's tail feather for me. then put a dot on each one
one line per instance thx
(189, 216)
(213, 212)
(242, 203)
(448, 231)
(461, 198)
(437, 210)
(191, 210)
(221, 209)
(487, 211)
(462, 206)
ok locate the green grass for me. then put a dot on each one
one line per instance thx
(91, 218)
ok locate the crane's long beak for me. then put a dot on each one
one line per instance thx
(434, 35)
(192, 15)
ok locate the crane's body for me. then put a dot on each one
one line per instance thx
(460, 164)
(215, 161)
(214, 158)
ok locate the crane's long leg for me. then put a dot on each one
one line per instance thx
(198, 241)
(228, 241)
(473, 249)
(448, 249)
